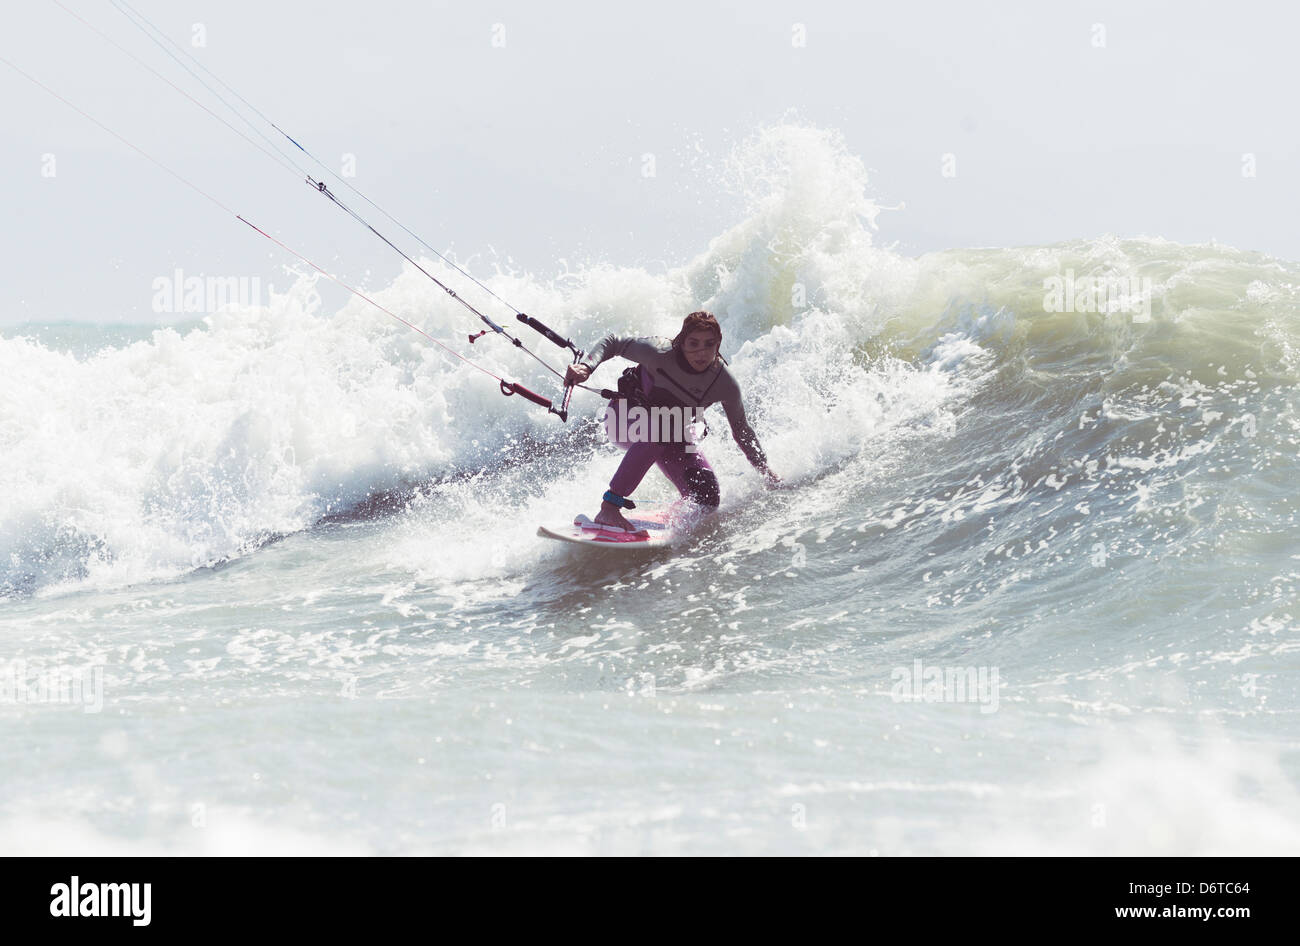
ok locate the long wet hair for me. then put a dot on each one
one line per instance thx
(699, 322)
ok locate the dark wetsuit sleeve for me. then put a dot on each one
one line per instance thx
(633, 349)
(741, 432)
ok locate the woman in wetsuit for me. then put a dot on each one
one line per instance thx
(684, 374)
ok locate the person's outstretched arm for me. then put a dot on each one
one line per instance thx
(631, 348)
(746, 439)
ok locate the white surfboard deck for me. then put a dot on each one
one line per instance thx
(653, 522)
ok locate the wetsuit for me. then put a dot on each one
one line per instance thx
(665, 379)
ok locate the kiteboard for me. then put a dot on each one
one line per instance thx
(654, 522)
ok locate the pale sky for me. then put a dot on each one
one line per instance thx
(1067, 120)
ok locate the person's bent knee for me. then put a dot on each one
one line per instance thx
(702, 488)
(710, 498)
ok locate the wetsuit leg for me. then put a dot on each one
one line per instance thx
(640, 456)
(691, 474)
(636, 463)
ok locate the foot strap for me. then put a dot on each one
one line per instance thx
(614, 499)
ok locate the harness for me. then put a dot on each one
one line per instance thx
(631, 392)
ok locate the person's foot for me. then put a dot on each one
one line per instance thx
(610, 515)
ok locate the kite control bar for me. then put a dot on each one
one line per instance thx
(543, 330)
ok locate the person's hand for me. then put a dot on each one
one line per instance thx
(771, 479)
(576, 374)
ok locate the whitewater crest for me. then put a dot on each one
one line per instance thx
(133, 461)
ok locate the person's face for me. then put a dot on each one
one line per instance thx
(700, 349)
